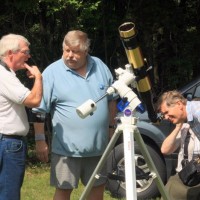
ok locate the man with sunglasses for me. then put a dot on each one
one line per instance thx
(14, 126)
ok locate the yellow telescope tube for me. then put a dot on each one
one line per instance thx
(128, 36)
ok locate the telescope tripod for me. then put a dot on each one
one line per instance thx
(130, 131)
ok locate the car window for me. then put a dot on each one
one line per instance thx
(192, 93)
(197, 92)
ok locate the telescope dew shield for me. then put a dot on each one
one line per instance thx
(128, 36)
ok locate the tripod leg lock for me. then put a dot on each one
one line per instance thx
(153, 175)
(97, 176)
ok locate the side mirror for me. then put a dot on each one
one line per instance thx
(189, 97)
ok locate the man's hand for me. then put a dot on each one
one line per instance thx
(33, 71)
(42, 151)
(179, 126)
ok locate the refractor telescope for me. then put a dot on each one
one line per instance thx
(135, 73)
(128, 36)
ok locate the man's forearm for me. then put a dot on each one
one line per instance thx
(112, 114)
(171, 143)
(39, 131)
(42, 149)
(35, 97)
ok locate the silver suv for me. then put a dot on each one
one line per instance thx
(153, 136)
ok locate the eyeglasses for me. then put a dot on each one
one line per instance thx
(26, 52)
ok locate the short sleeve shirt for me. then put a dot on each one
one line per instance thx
(193, 116)
(13, 117)
(65, 90)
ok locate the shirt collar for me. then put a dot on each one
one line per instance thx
(4, 65)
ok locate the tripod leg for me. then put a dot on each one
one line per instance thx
(150, 164)
(129, 154)
(100, 165)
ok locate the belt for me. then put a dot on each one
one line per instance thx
(19, 137)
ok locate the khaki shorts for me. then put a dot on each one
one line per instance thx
(67, 171)
(178, 191)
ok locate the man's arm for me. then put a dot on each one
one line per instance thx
(34, 98)
(171, 143)
(112, 112)
(42, 150)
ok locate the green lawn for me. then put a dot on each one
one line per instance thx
(36, 182)
(36, 186)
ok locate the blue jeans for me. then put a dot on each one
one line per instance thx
(12, 167)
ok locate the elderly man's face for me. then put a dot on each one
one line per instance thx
(174, 113)
(20, 56)
(74, 57)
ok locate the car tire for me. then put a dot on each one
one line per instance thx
(146, 189)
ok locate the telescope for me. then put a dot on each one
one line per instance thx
(128, 36)
(134, 75)
(120, 86)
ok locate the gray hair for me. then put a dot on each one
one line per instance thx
(11, 42)
(170, 98)
(77, 38)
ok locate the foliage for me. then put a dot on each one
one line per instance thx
(168, 32)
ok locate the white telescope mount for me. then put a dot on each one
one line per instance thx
(128, 126)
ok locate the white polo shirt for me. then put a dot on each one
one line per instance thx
(13, 117)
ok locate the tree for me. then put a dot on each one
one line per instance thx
(168, 32)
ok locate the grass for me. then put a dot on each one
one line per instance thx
(36, 185)
(36, 182)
